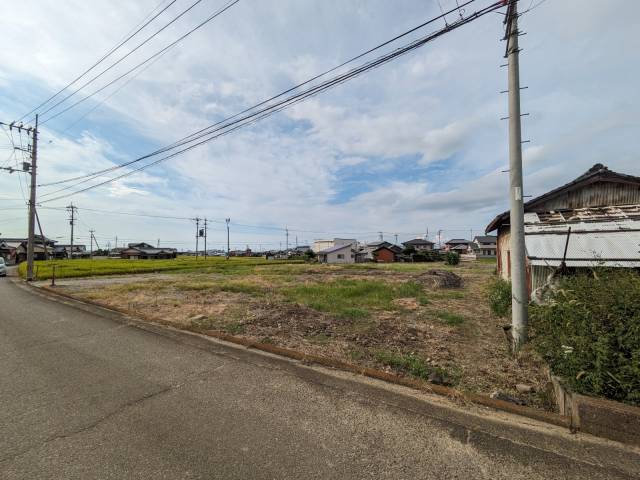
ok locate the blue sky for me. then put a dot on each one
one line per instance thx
(414, 145)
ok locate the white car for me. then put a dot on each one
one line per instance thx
(3, 268)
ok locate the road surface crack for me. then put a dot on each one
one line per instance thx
(106, 417)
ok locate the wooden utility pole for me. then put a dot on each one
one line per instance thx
(519, 293)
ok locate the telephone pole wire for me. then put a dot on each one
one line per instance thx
(32, 203)
(519, 292)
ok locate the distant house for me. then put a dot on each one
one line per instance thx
(320, 245)
(459, 245)
(384, 254)
(365, 252)
(144, 251)
(14, 250)
(485, 246)
(419, 244)
(66, 251)
(338, 254)
(602, 209)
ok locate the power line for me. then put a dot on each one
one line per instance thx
(281, 94)
(159, 52)
(229, 127)
(104, 57)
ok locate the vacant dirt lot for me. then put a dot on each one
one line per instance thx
(399, 317)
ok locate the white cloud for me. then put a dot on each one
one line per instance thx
(439, 104)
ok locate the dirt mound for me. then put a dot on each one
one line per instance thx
(441, 279)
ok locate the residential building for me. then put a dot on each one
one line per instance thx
(320, 245)
(419, 244)
(66, 251)
(485, 246)
(594, 218)
(338, 254)
(365, 252)
(384, 254)
(459, 245)
(136, 251)
(14, 250)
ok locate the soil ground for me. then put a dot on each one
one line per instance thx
(394, 317)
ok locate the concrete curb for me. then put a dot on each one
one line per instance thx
(540, 415)
(598, 416)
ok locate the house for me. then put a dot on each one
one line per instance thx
(594, 218)
(135, 251)
(320, 245)
(485, 246)
(459, 245)
(14, 250)
(419, 244)
(384, 254)
(338, 254)
(365, 252)
(66, 251)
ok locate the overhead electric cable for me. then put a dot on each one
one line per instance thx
(101, 59)
(260, 114)
(281, 94)
(159, 52)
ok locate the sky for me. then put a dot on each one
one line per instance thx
(415, 146)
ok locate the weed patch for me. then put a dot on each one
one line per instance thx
(352, 299)
(452, 319)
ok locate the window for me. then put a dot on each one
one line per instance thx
(340, 256)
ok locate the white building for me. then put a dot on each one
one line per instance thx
(320, 245)
(338, 254)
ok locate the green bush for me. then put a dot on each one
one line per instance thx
(499, 297)
(452, 258)
(589, 333)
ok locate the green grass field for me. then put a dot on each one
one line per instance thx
(220, 265)
(89, 268)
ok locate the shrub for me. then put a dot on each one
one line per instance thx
(452, 258)
(499, 297)
(428, 256)
(589, 333)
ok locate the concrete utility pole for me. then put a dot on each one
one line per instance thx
(227, 220)
(519, 293)
(287, 242)
(72, 222)
(197, 235)
(396, 237)
(205, 238)
(32, 203)
(91, 244)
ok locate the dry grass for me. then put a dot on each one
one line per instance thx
(374, 315)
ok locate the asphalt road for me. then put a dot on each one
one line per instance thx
(84, 395)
